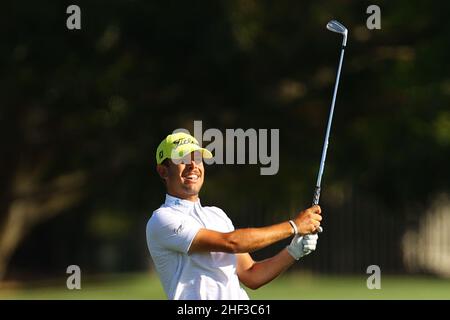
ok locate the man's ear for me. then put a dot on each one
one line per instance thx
(163, 171)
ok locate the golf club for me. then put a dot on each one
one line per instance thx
(337, 27)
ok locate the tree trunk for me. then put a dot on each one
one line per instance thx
(33, 202)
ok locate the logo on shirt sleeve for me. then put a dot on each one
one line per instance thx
(179, 229)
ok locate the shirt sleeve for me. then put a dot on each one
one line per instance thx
(172, 231)
(224, 216)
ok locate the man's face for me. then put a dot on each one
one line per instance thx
(184, 177)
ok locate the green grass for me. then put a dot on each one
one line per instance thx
(288, 287)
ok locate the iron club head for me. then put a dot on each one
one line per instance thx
(338, 27)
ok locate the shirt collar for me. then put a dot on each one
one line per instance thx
(174, 201)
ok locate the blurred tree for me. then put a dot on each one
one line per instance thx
(82, 111)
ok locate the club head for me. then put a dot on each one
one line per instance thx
(338, 27)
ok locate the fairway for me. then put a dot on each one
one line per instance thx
(144, 286)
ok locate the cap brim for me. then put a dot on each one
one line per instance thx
(186, 149)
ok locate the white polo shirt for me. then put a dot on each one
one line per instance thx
(208, 275)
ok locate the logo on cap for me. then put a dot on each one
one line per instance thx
(182, 141)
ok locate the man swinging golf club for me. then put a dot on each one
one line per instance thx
(196, 250)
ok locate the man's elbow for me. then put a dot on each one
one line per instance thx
(232, 243)
(254, 286)
(233, 247)
(250, 280)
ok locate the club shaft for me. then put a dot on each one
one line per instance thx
(327, 134)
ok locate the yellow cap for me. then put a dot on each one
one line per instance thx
(177, 146)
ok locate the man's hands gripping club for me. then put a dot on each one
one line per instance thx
(307, 222)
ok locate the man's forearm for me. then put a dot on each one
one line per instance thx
(262, 272)
(252, 239)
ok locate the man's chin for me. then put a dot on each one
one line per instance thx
(192, 190)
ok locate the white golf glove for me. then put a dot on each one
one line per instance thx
(302, 245)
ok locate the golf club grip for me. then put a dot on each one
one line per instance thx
(316, 201)
(316, 196)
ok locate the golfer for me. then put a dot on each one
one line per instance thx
(196, 250)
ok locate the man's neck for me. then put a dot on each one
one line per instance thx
(193, 198)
